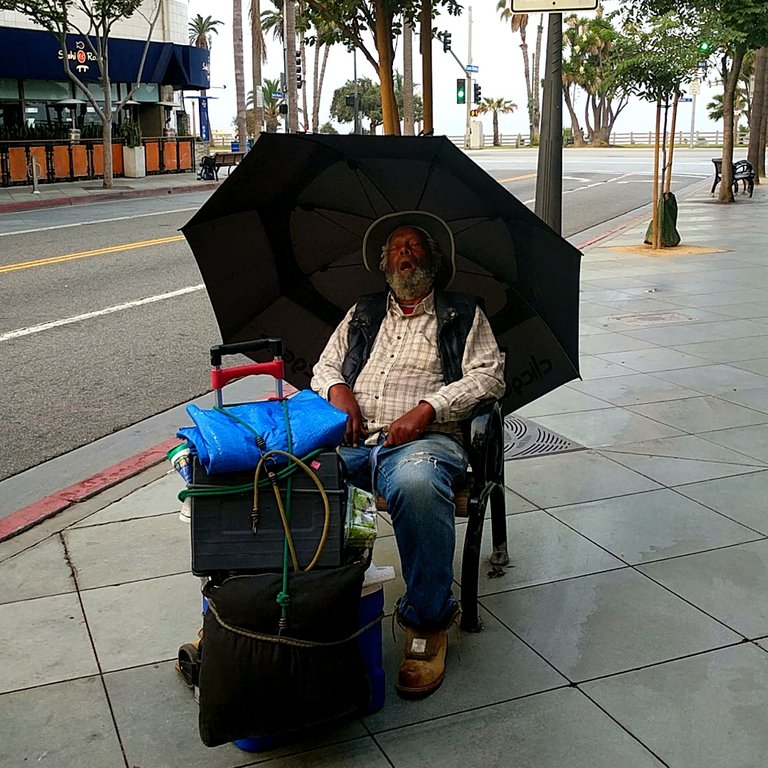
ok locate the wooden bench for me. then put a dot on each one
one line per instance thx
(226, 160)
(742, 171)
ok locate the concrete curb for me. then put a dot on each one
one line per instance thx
(104, 197)
(26, 517)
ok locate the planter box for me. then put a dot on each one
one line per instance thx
(133, 162)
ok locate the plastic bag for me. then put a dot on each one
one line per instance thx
(361, 525)
(225, 440)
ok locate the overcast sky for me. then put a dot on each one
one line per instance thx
(495, 50)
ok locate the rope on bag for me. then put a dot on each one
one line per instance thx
(283, 598)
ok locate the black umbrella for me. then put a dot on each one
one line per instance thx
(279, 248)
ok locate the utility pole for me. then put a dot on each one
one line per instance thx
(469, 92)
(549, 172)
(425, 20)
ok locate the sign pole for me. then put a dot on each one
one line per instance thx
(549, 172)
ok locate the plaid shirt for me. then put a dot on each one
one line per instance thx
(404, 368)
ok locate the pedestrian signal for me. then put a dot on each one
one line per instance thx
(474, 112)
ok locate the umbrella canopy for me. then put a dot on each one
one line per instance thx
(279, 246)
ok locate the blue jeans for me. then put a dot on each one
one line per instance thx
(417, 481)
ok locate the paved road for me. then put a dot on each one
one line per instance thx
(104, 321)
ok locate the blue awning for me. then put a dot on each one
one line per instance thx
(36, 55)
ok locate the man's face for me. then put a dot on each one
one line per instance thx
(409, 267)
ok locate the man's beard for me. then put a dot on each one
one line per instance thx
(411, 285)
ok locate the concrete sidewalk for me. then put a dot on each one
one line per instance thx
(631, 630)
(23, 198)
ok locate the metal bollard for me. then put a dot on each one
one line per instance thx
(34, 172)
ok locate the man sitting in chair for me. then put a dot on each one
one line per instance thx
(406, 366)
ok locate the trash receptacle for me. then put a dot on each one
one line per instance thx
(234, 146)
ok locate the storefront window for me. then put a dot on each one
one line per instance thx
(9, 88)
(46, 90)
(98, 92)
(147, 92)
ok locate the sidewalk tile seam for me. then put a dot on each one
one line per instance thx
(759, 537)
(672, 660)
(478, 708)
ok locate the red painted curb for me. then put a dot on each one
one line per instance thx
(34, 513)
(102, 197)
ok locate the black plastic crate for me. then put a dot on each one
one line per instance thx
(222, 538)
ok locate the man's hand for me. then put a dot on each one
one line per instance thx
(410, 425)
(340, 396)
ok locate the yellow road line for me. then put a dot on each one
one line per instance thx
(516, 178)
(86, 254)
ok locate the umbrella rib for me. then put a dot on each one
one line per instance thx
(319, 212)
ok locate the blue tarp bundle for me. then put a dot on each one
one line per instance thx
(227, 444)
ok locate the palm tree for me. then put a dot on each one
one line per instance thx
(715, 110)
(519, 22)
(496, 105)
(200, 32)
(237, 43)
(258, 57)
(271, 104)
(201, 29)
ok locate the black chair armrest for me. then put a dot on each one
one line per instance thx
(484, 441)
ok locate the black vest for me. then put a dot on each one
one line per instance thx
(455, 315)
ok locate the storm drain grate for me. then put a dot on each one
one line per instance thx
(524, 439)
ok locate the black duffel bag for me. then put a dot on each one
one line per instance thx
(258, 680)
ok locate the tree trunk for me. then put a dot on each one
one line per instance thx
(731, 82)
(303, 53)
(315, 87)
(528, 85)
(536, 83)
(106, 131)
(256, 53)
(656, 236)
(316, 105)
(237, 43)
(496, 142)
(426, 66)
(106, 138)
(289, 11)
(407, 79)
(668, 182)
(576, 130)
(758, 111)
(383, 35)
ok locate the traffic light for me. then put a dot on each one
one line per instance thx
(478, 93)
(461, 90)
(705, 46)
(446, 41)
(299, 81)
(474, 112)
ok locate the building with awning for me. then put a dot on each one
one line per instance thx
(35, 91)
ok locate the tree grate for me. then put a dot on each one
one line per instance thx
(524, 439)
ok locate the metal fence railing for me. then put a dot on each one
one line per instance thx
(59, 160)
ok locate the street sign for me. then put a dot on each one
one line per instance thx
(472, 68)
(278, 95)
(685, 98)
(556, 6)
(695, 88)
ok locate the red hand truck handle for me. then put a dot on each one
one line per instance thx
(222, 376)
(244, 348)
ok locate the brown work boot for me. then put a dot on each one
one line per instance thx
(423, 666)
